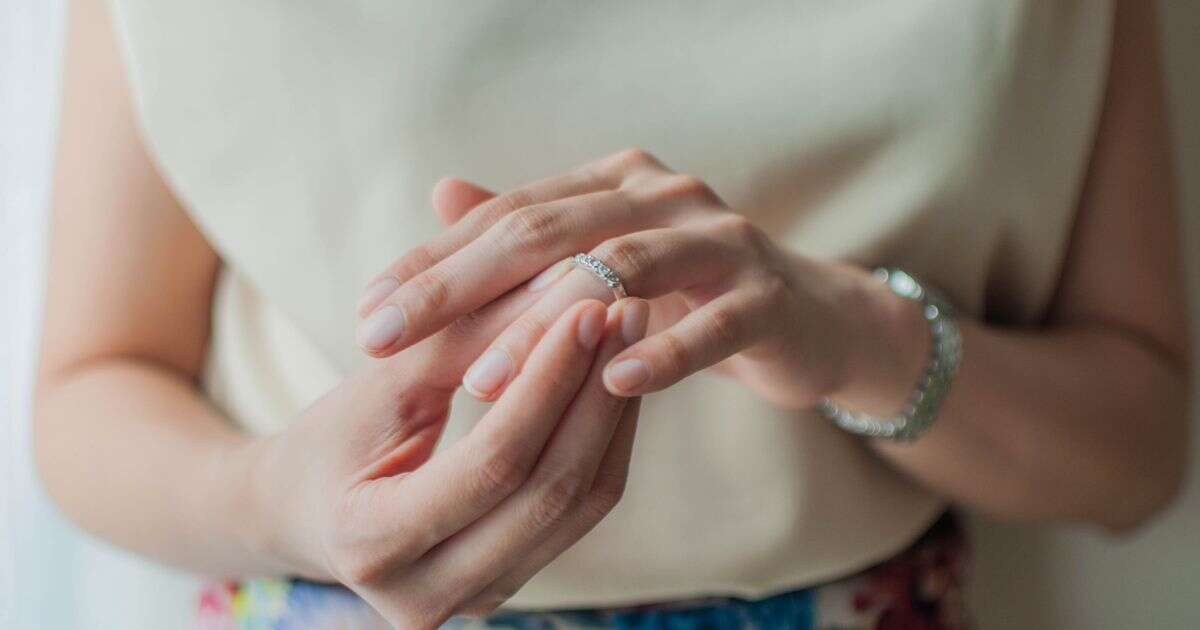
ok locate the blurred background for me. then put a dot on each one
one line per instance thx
(1026, 577)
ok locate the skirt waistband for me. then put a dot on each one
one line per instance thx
(919, 589)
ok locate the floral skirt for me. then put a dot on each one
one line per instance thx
(919, 589)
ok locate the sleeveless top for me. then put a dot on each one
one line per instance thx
(949, 137)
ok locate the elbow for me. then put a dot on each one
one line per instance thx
(1147, 478)
(1120, 510)
(1153, 476)
(1120, 491)
(46, 447)
(1147, 493)
(52, 451)
(1146, 465)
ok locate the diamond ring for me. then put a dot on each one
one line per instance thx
(602, 271)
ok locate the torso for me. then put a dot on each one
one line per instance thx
(945, 136)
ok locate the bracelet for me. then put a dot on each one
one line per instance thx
(922, 407)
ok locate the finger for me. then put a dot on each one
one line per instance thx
(710, 334)
(608, 173)
(494, 368)
(558, 486)
(608, 487)
(616, 171)
(403, 517)
(481, 217)
(440, 361)
(453, 198)
(512, 251)
(650, 263)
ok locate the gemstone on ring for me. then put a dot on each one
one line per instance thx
(602, 271)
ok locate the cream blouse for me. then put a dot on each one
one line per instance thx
(949, 137)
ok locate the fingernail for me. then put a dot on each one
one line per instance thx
(375, 294)
(628, 375)
(634, 317)
(381, 329)
(488, 373)
(591, 326)
(547, 277)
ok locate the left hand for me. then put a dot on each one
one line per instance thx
(789, 323)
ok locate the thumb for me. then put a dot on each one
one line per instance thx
(453, 198)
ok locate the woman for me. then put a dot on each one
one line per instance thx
(205, 401)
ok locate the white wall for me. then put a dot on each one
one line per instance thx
(29, 33)
(1026, 578)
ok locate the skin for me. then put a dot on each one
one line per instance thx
(350, 493)
(1079, 419)
(1095, 433)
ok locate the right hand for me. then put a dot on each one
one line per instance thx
(356, 496)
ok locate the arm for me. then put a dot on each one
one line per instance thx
(1097, 431)
(120, 429)
(1082, 418)
(351, 492)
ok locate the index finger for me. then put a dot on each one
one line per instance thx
(478, 219)
(606, 173)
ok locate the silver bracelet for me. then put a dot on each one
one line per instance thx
(946, 353)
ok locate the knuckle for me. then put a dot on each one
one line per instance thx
(418, 616)
(775, 288)
(529, 328)
(740, 229)
(417, 259)
(612, 406)
(722, 326)
(480, 607)
(353, 550)
(533, 226)
(637, 157)
(508, 203)
(622, 201)
(606, 494)
(683, 185)
(360, 565)
(629, 256)
(502, 470)
(469, 326)
(749, 240)
(558, 497)
(432, 289)
(674, 353)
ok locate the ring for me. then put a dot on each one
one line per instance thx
(602, 271)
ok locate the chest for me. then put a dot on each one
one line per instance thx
(863, 130)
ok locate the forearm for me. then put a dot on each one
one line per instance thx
(132, 453)
(1076, 423)
(1073, 422)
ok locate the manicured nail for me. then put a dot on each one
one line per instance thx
(548, 276)
(375, 294)
(634, 316)
(381, 329)
(628, 375)
(488, 373)
(591, 326)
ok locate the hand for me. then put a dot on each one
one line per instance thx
(422, 537)
(795, 328)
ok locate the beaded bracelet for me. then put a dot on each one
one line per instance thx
(945, 354)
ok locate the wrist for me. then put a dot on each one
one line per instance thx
(263, 500)
(887, 349)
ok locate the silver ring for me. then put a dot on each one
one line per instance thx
(602, 271)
